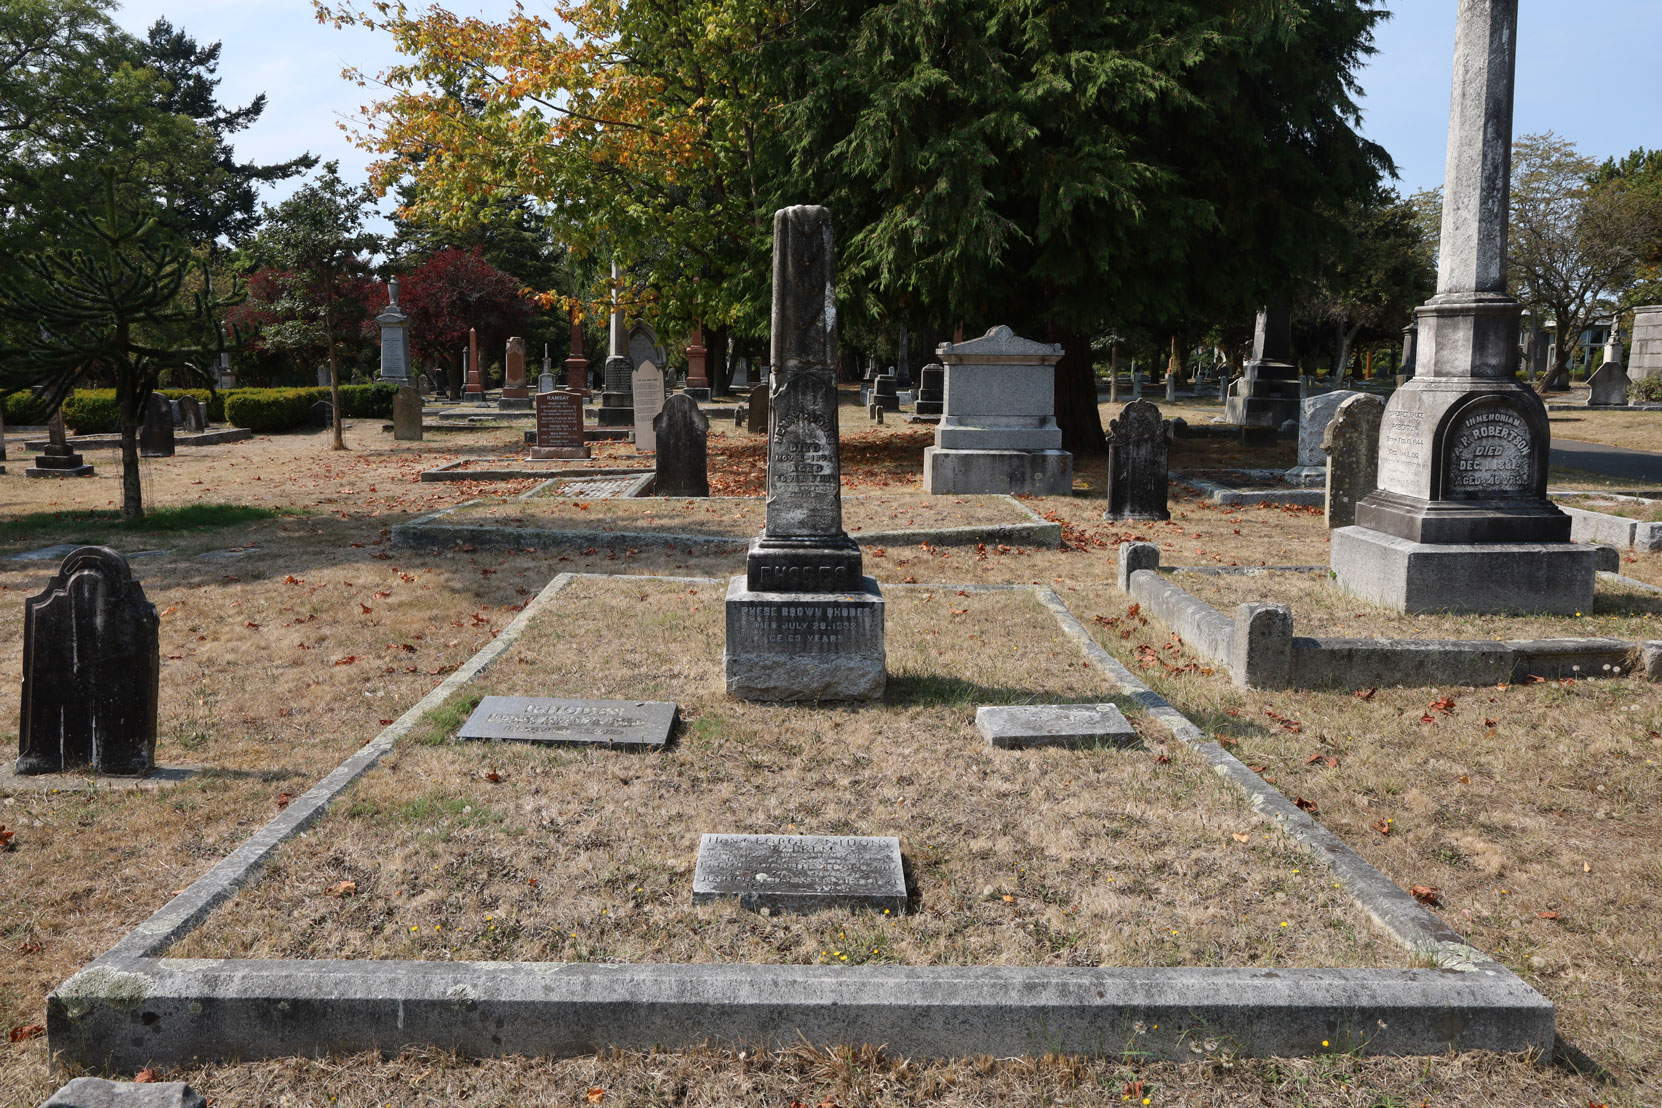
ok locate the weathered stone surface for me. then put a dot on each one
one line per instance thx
(1517, 578)
(1645, 357)
(559, 425)
(406, 414)
(1028, 725)
(756, 415)
(800, 873)
(931, 390)
(1137, 463)
(805, 646)
(1135, 556)
(1608, 386)
(625, 724)
(57, 459)
(1261, 650)
(804, 469)
(156, 432)
(682, 433)
(396, 364)
(615, 397)
(998, 431)
(1267, 392)
(474, 386)
(647, 387)
(884, 394)
(1013, 472)
(187, 415)
(1315, 412)
(1351, 443)
(91, 667)
(95, 1092)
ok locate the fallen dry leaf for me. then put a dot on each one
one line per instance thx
(1365, 694)
(342, 888)
(1307, 805)
(1383, 826)
(1241, 836)
(1547, 915)
(145, 1076)
(27, 1031)
(595, 1096)
(1425, 894)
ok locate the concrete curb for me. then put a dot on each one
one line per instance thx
(1589, 526)
(450, 471)
(130, 1008)
(1219, 493)
(180, 438)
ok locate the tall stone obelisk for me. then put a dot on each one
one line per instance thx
(1461, 520)
(1266, 395)
(804, 623)
(617, 401)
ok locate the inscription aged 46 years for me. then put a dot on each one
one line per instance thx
(799, 873)
(627, 724)
(1489, 453)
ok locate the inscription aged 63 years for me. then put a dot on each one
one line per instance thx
(624, 724)
(1489, 453)
(800, 873)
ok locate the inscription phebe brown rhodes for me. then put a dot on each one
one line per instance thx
(1489, 452)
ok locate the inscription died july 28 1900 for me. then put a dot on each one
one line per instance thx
(800, 873)
(636, 724)
(1489, 453)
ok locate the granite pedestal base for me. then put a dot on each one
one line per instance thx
(796, 646)
(615, 410)
(699, 393)
(59, 465)
(1497, 578)
(513, 403)
(1034, 472)
(1261, 411)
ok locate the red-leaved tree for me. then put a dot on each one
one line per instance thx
(452, 291)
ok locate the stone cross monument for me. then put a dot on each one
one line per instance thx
(804, 623)
(1461, 519)
(617, 405)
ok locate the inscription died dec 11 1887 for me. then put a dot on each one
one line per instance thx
(625, 724)
(800, 873)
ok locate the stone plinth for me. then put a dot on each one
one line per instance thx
(804, 646)
(1607, 387)
(1267, 392)
(998, 431)
(1489, 577)
(516, 394)
(1072, 725)
(1644, 359)
(57, 459)
(931, 391)
(800, 873)
(884, 392)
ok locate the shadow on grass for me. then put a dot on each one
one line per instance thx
(72, 526)
(933, 690)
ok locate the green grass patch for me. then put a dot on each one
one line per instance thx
(438, 725)
(73, 526)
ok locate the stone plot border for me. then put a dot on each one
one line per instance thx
(130, 1007)
(1258, 648)
(180, 438)
(452, 471)
(1219, 493)
(1587, 525)
(429, 528)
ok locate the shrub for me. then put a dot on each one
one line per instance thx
(1646, 390)
(24, 409)
(92, 412)
(269, 409)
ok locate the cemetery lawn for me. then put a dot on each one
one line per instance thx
(739, 518)
(1627, 509)
(1633, 430)
(508, 851)
(1320, 608)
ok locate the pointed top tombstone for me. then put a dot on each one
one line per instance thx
(1137, 464)
(681, 432)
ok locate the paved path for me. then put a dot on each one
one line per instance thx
(1610, 461)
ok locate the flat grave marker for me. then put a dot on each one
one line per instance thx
(800, 873)
(621, 724)
(1027, 725)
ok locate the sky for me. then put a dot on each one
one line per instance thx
(1585, 70)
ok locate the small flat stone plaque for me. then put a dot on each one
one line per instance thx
(800, 873)
(625, 724)
(1015, 728)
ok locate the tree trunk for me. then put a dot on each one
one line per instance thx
(132, 492)
(334, 397)
(1076, 410)
(716, 367)
(453, 379)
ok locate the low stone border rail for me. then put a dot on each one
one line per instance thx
(180, 438)
(1621, 532)
(1258, 648)
(453, 471)
(1219, 493)
(131, 1007)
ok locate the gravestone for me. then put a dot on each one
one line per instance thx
(931, 390)
(1645, 357)
(1315, 412)
(800, 873)
(1410, 352)
(620, 724)
(998, 431)
(406, 414)
(646, 385)
(395, 337)
(321, 415)
(91, 669)
(2, 437)
(681, 435)
(187, 411)
(1351, 443)
(323, 376)
(756, 420)
(1267, 392)
(1171, 387)
(698, 356)
(474, 387)
(515, 396)
(1019, 727)
(155, 439)
(1137, 467)
(224, 373)
(804, 623)
(884, 394)
(1461, 519)
(58, 460)
(559, 425)
(1609, 382)
(96, 1092)
(615, 398)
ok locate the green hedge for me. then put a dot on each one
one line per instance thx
(22, 409)
(269, 409)
(95, 411)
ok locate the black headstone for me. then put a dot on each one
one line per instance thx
(322, 414)
(683, 459)
(1137, 464)
(187, 414)
(883, 392)
(931, 399)
(91, 667)
(156, 432)
(756, 419)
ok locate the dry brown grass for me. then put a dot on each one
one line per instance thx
(1321, 608)
(1098, 857)
(1627, 509)
(1631, 430)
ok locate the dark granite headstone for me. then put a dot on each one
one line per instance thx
(681, 431)
(187, 415)
(931, 391)
(321, 414)
(624, 724)
(1137, 449)
(560, 425)
(800, 873)
(91, 667)
(883, 392)
(756, 420)
(156, 432)
(406, 414)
